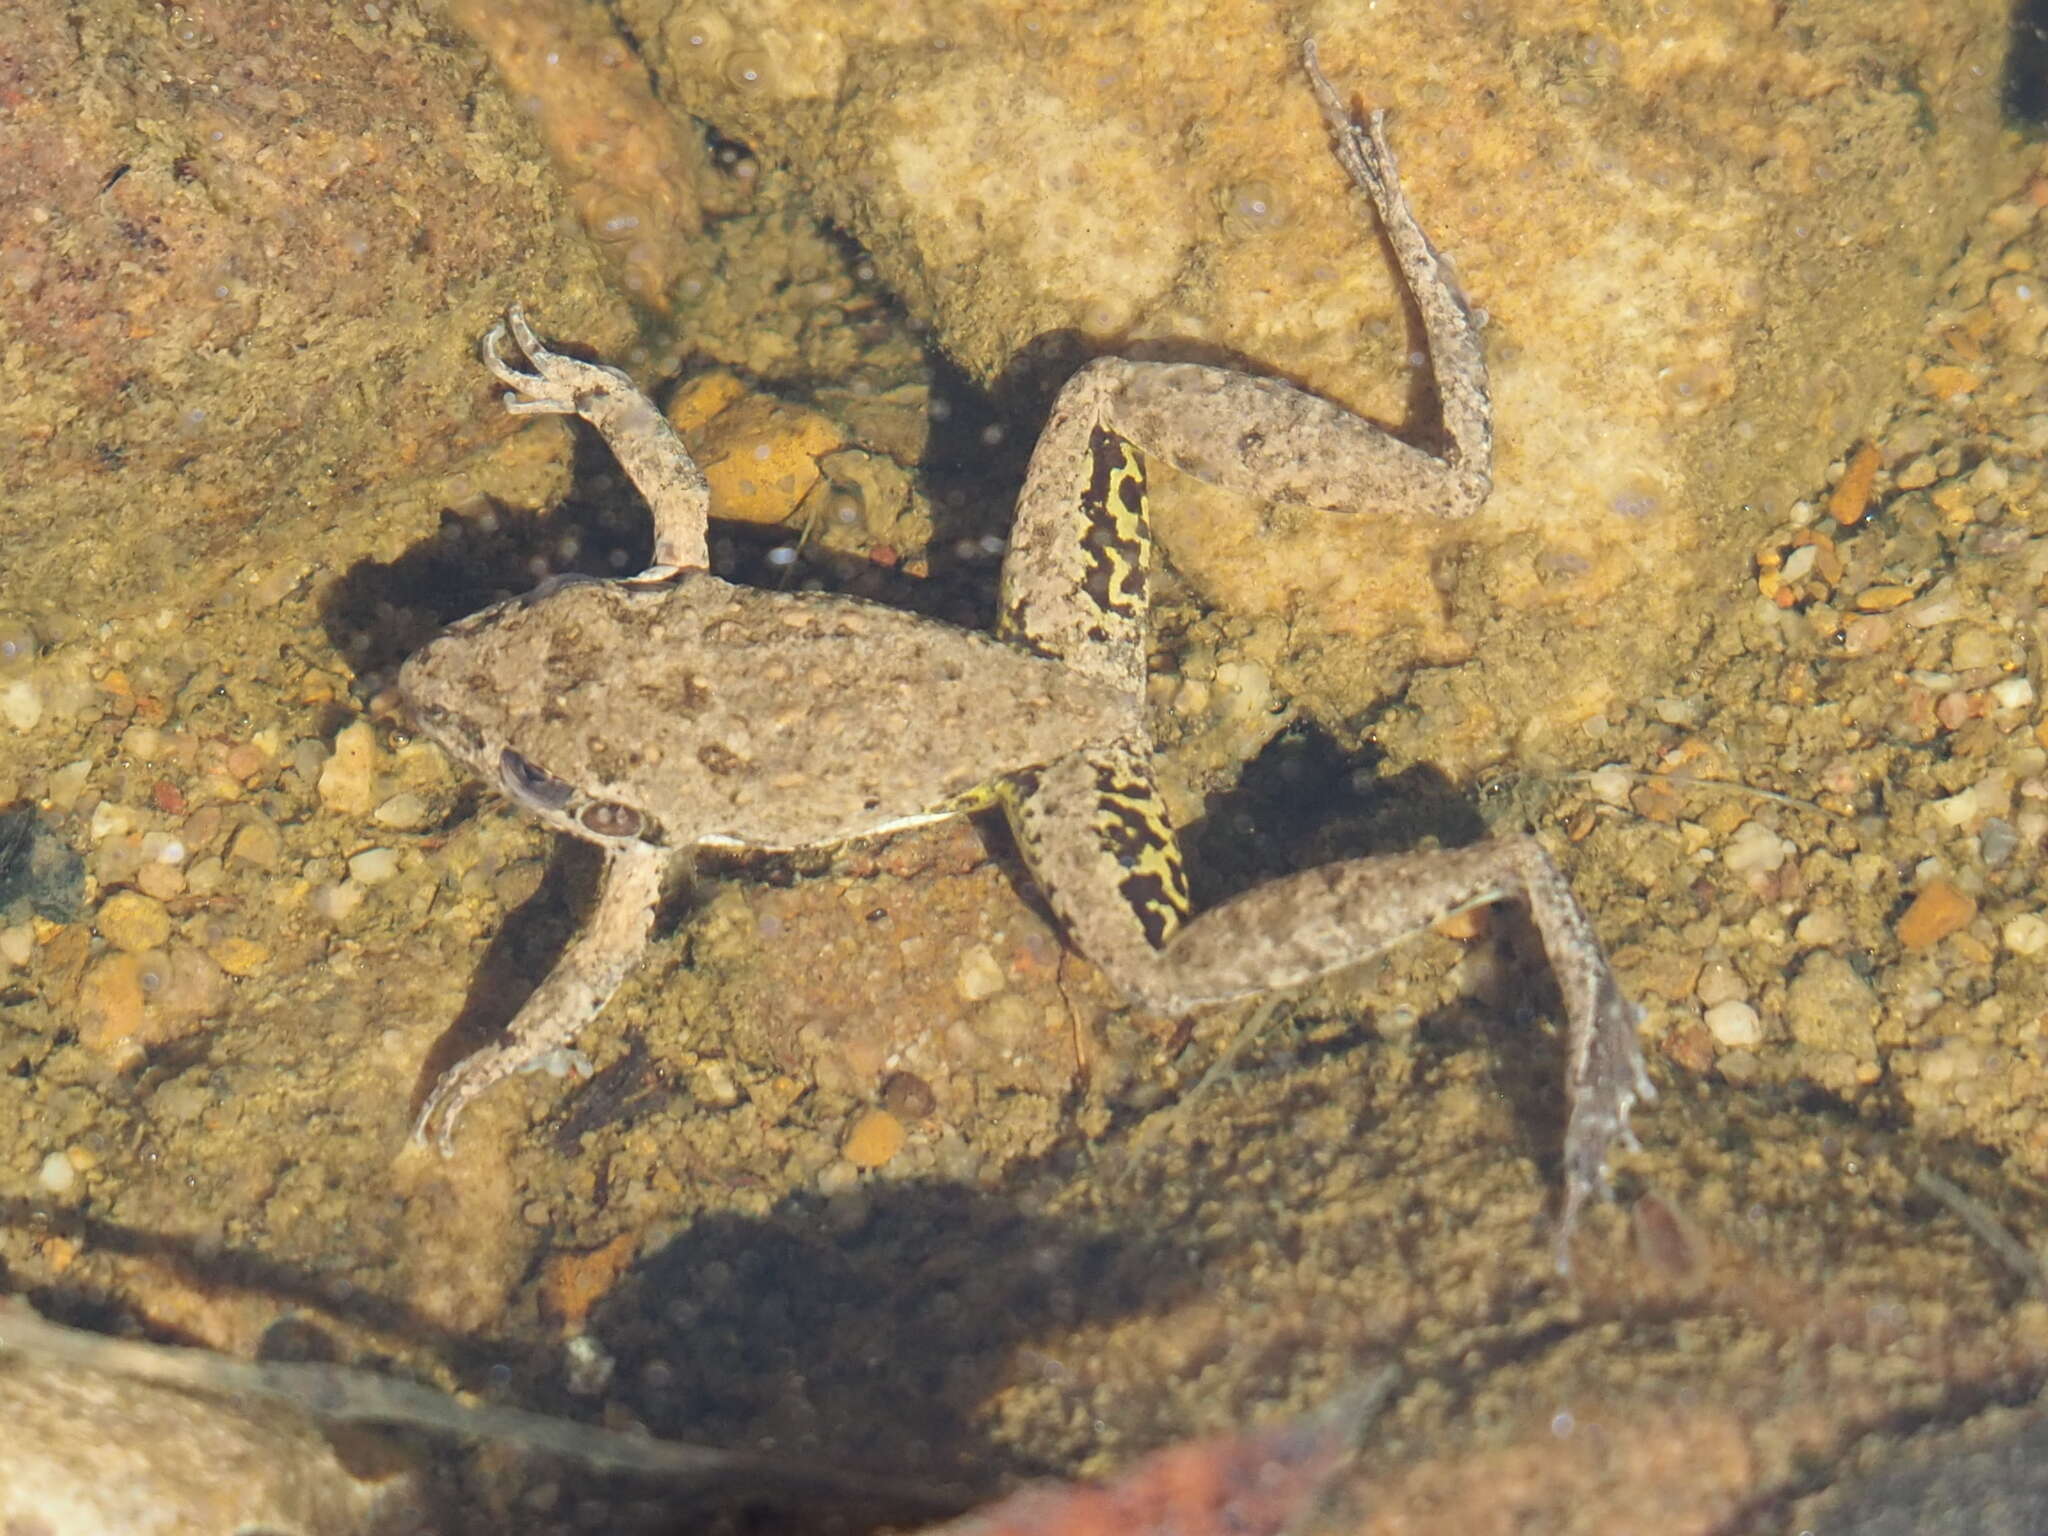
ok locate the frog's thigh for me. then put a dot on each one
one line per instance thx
(1095, 834)
(1093, 829)
(1075, 578)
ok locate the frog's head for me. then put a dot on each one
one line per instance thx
(481, 691)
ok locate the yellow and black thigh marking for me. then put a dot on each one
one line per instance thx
(1094, 831)
(1075, 582)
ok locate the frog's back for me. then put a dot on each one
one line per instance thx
(780, 720)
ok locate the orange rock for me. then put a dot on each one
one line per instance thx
(110, 1005)
(1947, 381)
(1938, 911)
(876, 1137)
(1850, 498)
(1233, 1485)
(760, 456)
(572, 1283)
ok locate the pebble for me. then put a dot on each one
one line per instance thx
(1823, 925)
(257, 843)
(875, 1137)
(1939, 910)
(348, 779)
(133, 922)
(1756, 849)
(110, 1001)
(21, 703)
(1829, 1007)
(336, 901)
(837, 1177)
(56, 1174)
(239, 956)
(2026, 934)
(1734, 1025)
(161, 881)
(979, 976)
(1719, 982)
(712, 1085)
(405, 812)
(373, 866)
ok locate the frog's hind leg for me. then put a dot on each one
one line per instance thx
(1091, 830)
(639, 436)
(1074, 579)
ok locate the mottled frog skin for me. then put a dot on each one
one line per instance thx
(673, 710)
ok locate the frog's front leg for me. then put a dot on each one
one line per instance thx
(581, 983)
(1094, 833)
(638, 435)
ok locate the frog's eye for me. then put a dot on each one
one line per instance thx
(608, 818)
(524, 782)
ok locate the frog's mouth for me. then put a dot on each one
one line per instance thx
(458, 736)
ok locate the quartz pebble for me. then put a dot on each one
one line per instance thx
(1734, 1025)
(2026, 934)
(56, 1174)
(405, 812)
(373, 866)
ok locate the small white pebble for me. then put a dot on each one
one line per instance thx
(1821, 926)
(336, 902)
(1610, 784)
(979, 975)
(56, 1173)
(2026, 934)
(1958, 809)
(2013, 693)
(1756, 849)
(1734, 1025)
(162, 848)
(110, 819)
(17, 944)
(837, 1176)
(373, 866)
(21, 703)
(406, 811)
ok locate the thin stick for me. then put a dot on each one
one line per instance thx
(340, 1394)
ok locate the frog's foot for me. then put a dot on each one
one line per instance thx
(462, 1084)
(581, 983)
(638, 435)
(550, 384)
(457, 1089)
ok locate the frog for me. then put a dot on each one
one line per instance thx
(670, 711)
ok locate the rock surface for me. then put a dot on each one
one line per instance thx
(1676, 228)
(86, 1454)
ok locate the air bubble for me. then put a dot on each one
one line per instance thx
(153, 972)
(18, 643)
(847, 505)
(746, 69)
(1253, 208)
(782, 556)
